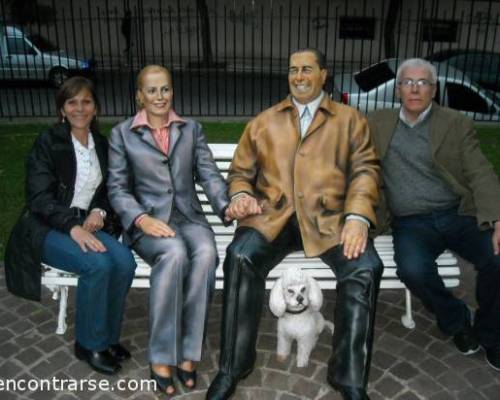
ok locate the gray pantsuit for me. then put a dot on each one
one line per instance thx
(182, 281)
(142, 179)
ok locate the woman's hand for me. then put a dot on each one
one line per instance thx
(155, 227)
(93, 222)
(86, 240)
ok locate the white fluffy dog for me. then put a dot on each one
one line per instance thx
(296, 299)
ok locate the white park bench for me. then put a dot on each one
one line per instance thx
(59, 281)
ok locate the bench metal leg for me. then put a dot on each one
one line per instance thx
(407, 317)
(63, 305)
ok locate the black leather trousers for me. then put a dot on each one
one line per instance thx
(249, 259)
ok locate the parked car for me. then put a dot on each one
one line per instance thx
(482, 67)
(32, 57)
(374, 88)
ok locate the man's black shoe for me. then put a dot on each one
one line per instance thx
(348, 392)
(222, 387)
(465, 341)
(100, 361)
(493, 357)
(119, 352)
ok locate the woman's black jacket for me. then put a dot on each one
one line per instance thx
(50, 183)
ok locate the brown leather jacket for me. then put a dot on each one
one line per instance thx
(332, 172)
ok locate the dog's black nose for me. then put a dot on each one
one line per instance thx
(300, 299)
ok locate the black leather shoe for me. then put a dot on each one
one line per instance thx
(163, 382)
(465, 341)
(222, 387)
(351, 393)
(100, 361)
(184, 376)
(493, 357)
(348, 392)
(119, 352)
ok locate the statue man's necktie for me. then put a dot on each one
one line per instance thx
(305, 121)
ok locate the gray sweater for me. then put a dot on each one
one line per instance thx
(412, 184)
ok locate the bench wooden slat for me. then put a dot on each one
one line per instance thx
(324, 278)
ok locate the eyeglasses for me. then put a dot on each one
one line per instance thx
(420, 83)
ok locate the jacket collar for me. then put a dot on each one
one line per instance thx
(387, 126)
(327, 107)
(146, 136)
(437, 129)
(141, 119)
(62, 130)
(174, 133)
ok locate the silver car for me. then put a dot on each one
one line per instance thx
(31, 57)
(374, 88)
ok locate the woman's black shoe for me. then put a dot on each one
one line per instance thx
(100, 361)
(119, 352)
(184, 376)
(163, 382)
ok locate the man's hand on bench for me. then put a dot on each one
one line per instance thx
(155, 227)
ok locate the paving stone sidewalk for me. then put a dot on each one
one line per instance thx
(406, 365)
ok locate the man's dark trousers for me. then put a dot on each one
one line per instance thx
(420, 239)
(249, 259)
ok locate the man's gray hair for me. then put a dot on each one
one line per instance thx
(417, 62)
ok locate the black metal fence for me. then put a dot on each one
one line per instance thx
(228, 57)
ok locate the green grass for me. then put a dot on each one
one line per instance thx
(16, 140)
(217, 132)
(489, 138)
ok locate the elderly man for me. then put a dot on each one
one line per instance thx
(304, 176)
(442, 193)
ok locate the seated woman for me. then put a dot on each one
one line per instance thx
(63, 225)
(155, 159)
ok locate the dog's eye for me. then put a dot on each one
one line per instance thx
(302, 290)
(290, 291)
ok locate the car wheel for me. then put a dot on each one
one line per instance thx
(57, 76)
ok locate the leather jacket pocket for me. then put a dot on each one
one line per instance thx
(329, 225)
(332, 204)
(331, 213)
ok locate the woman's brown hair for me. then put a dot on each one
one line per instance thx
(70, 88)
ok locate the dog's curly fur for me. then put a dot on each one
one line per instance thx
(296, 299)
